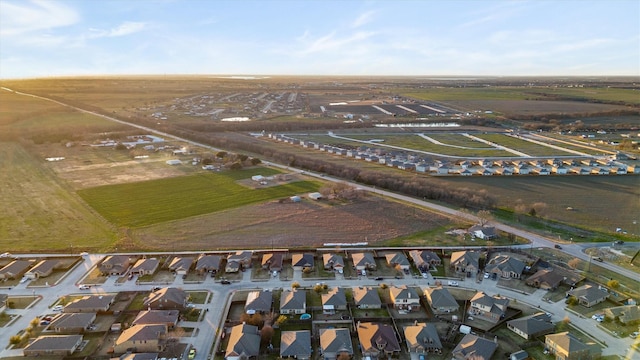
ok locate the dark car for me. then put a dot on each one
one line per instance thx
(379, 278)
(557, 246)
(225, 282)
(345, 317)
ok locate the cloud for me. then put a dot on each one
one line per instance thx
(332, 42)
(363, 19)
(126, 28)
(28, 17)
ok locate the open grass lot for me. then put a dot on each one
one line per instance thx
(418, 143)
(304, 224)
(524, 146)
(155, 201)
(455, 139)
(33, 199)
(598, 202)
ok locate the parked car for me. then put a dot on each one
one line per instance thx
(452, 283)
(24, 280)
(225, 282)
(425, 275)
(379, 278)
(557, 246)
(84, 287)
(44, 323)
(597, 258)
(486, 275)
(58, 308)
(192, 354)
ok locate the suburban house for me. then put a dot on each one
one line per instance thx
(334, 300)
(334, 342)
(545, 279)
(404, 298)
(142, 338)
(167, 317)
(366, 298)
(472, 347)
(519, 355)
(377, 340)
(166, 299)
(146, 266)
(258, 302)
(422, 338)
(424, 260)
(627, 314)
(505, 266)
(467, 262)
(90, 304)
(181, 265)
(441, 301)
(43, 269)
(483, 232)
(363, 261)
(588, 295)
(72, 323)
(139, 356)
(114, 265)
(293, 302)
(491, 308)
(398, 260)
(53, 345)
(237, 261)
(302, 261)
(244, 342)
(531, 326)
(14, 269)
(333, 262)
(272, 261)
(296, 344)
(208, 263)
(564, 346)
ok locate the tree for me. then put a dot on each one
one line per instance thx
(484, 217)
(15, 339)
(343, 356)
(295, 285)
(266, 333)
(281, 319)
(318, 288)
(613, 284)
(255, 161)
(573, 263)
(253, 319)
(540, 208)
(221, 154)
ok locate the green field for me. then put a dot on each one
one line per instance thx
(152, 202)
(524, 146)
(458, 140)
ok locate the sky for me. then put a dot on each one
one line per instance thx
(44, 38)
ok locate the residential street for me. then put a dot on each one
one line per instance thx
(205, 335)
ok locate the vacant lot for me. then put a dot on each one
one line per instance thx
(307, 223)
(156, 201)
(38, 211)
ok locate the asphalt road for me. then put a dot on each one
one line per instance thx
(205, 335)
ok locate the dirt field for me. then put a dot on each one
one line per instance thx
(524, 107)
(277, 224)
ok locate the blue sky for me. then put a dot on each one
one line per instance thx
(504, 38)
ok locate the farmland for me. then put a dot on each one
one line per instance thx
(151, 202)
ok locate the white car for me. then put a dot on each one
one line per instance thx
(486, 275)
(4, 255)
(24, 280)
(58, 308)
(425, 275)
(84, 253)
(453, 283)
(84, 287)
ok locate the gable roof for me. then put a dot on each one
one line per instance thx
(90, 302)
(258, 301)
(157, 317)
(139, 356)
(397, 258)
(363, 259)
(465, 258)
(567, 342)
(142, 332)
(440, 297)
(293, 299)
(497, 305)
(333, 259)
(73, 320)
(422, 335)
(377, 337)
(305, 259)
(44, 267)
(473, 347)
(117, 263)
(335, 297)
(366, 296)
(588, 293)
(181, 263)
(295, 343)
(421, 257)
(208, 262)
(402, 292)
(547, 277)
(166, 295)
(244, 339)
(273, 260)
(145, 265)
(505, 263)
(335, 341)
(54, 342)
(15, 268)
(532, 324)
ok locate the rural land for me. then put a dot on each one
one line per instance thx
(324, 215)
